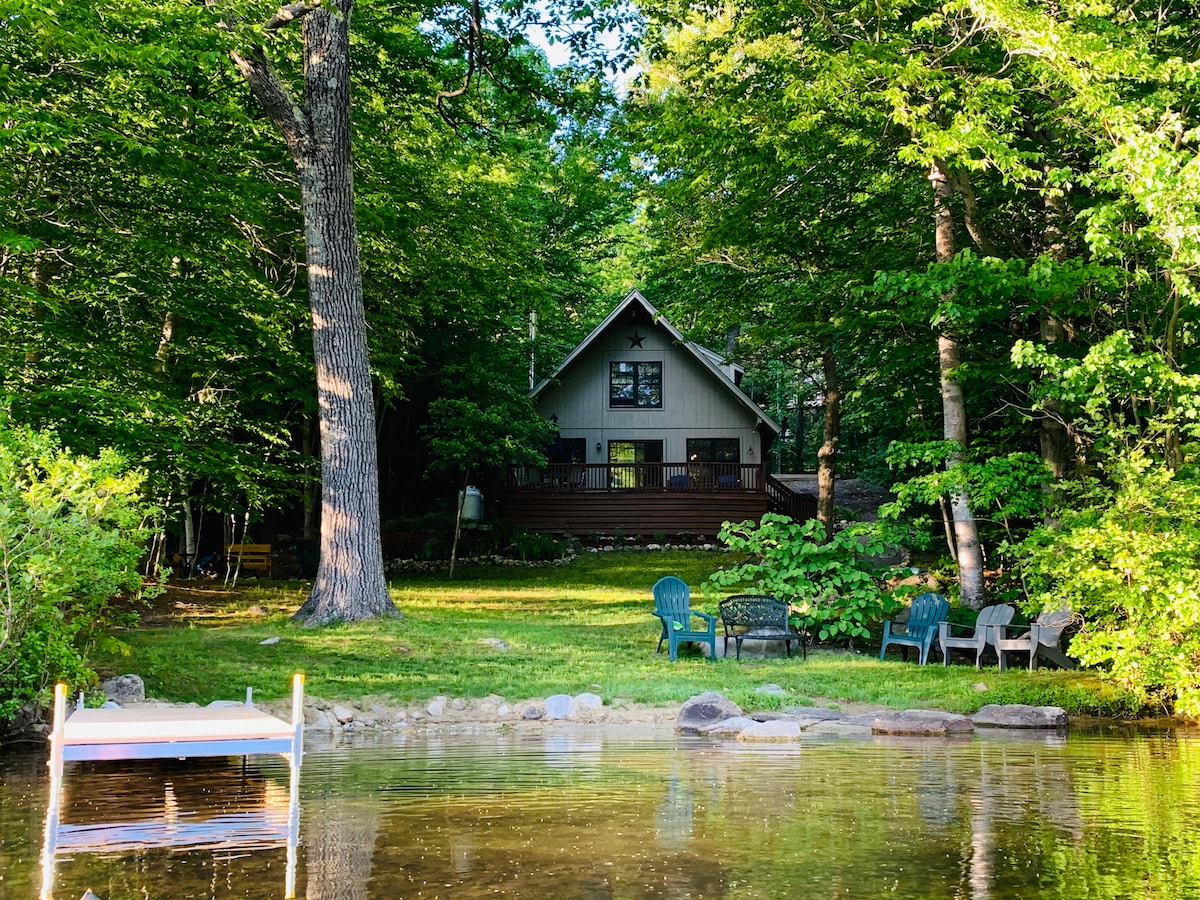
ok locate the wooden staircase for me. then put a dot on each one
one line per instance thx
(782, 499)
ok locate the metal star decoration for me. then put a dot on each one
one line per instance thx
(635, 339)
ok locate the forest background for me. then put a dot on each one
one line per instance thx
(968, 230)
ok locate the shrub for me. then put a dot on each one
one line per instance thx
(72, 532)
(828, 582)
(1128, 564)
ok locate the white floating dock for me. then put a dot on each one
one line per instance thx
(155, 733)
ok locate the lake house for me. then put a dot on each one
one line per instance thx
(655, 435)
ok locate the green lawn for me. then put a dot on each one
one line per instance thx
(579, 627)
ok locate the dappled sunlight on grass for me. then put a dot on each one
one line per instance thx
(587, 626)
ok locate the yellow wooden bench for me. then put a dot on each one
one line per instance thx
(251, 557)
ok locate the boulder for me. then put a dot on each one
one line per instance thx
(807, 716)
(343, 714)
(705, 709)
(589, 701)
(532, 712)
(125, 689)
(922, 722)
(775, 731)
(772, 689)
(1019, 715)
(560, 706)
(841, 727)
(726, 727)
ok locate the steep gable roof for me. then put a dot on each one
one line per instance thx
(710, 361)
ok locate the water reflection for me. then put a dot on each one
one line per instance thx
(588, 814)
(121, 810)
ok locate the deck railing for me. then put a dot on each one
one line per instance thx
(676, 477)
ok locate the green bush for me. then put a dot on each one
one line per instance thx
(1127, 563)
(72, 531)
(829, 583)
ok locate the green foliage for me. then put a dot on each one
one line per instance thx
(1127, 562)
(537, 546)
(828, 583)
(1008, 487)
(71, 536)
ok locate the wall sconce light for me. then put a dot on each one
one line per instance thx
(750, 450)
(599, 446)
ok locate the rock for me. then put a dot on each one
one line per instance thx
(921, 721)
(435, 707)
(268, 642)
(772, 689)
(780, 730)
(841, 727)
(705, 709)
(125, 689)
(343, 714)
(502, 710)
(110, 704)
(533, 712)
(225, 704)
(323, 721)
(496, 643)
(733, 726)
(589, 701)
(811, 715)
(560, 706)
(979, 686)
(257, 611)
(1019, 715)
(458, 704)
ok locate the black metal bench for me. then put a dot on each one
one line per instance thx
(759, 619)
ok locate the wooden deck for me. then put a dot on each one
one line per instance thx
(646, 498)
(642, 512)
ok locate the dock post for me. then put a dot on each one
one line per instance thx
(54, 804)
(294, 784)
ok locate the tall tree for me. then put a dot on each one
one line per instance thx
(350, 583)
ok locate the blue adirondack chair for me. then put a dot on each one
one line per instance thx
(926, 612)
(672, 606)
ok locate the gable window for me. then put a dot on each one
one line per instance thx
(635, 385)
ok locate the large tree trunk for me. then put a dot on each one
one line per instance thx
(350, 582)
(827, 455)
(954, 410)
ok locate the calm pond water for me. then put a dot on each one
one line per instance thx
(589, 814)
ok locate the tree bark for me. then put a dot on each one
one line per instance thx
(350, 583)
(827, 455)
(954, 411)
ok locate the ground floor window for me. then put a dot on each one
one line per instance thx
(635, 464)
(715, 461)
(727, 450)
